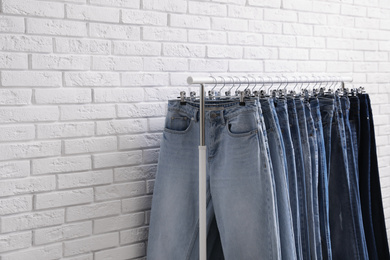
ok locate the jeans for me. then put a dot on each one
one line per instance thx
(300, 169)
(379, 225)
(277, 153)
(340, 208)
(239, 184)
(281, 111)
(353, 181)
(323, 195)
(310, 225)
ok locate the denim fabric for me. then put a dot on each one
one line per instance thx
(281, 111)
(379, 224)
(308, 175)
(364, 177)
(313, 144)
(352, 175)
(340, 209)
(354, 121)
(323, 196)
(300, 169)
(277, 153)
(239, 184)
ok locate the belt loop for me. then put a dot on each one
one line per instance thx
(222, 116)
(196, 114)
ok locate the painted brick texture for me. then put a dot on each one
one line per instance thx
(83, 91)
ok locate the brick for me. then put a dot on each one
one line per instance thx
(229, 24)
(375, 56)
(87, 112)
(245, 12)
(88, 256)
(31, 79)
(137, 48)
(384, 46)
(339, 66)
(302, 5)
(56, 27)
(95, 210)
(278, 66)
(91, 79)
(90, 145)
(385, 24)
(33, 8)
(134, 235)
(119, 191)
(117, 3)
(293, 54)
(310, 42)
(328, 31)
(62, 96)
(245, 39)
(164, 34)
(202, 36)
(27, 185)
(189, 21)
(32, 220)
(217, 51)
(260, 53)
(118, 95)
(144, 79)
(280, 15)
(365, 45)
(142, 17)
(311, 66)
(114, 31)
(29, 150)
(84, 179)
(312, 18)
(205, 8)
(49, 252)
(136, 204)
(92, 13)
(123, 253)
(265, 3)
(378, 35)
(141, 110)
(134, 173)
(17, 132)
(60, 62)
(378, 77)
(116, 159)
(336, 20)
(61, 164)
(235, 2)
(13, 60)
(119, 222)
(26, 43)
(115, 127)
(367, 23)
(150, 186)
(61, 130)
(297, 29)
(117, 63)
(17, 169)
(82, 46)
(326, 7)
(365, 67)
(245, 65)
(184, 50)
(383, 66)
(15, 241)
(150, 156)
(63, 198)
(165, 64)
(355, 33)
(63, 232)
(161, 93)
(15, 205)
(280, 40)
(28, 114)
(350, 55)
(11, 24)
(213, 65)
(165, 5)
(353, 10)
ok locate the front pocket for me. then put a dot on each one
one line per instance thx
(243, 124)
(177, 122)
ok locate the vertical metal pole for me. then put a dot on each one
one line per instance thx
(202, 180)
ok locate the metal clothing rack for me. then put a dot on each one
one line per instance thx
(202, 147)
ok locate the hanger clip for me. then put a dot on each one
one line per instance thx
(182, 97)
(242, 97)
(192, 95)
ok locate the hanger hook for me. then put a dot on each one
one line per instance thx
(296, 82)
(215, 80)
(239, 82)
(232, 82)
(254, 79)
(223, 82)
(262, 82)
(281, 81)
(248, 82)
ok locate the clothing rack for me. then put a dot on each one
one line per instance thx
(202, 147)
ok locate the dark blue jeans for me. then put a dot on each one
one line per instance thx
(343, 236)
(300, 169)
(353, 181)
(281, 111)
(313, 144)
(323, 196)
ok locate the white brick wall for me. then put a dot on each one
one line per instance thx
(83, 90)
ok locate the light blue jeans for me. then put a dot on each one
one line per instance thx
(239, 184)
